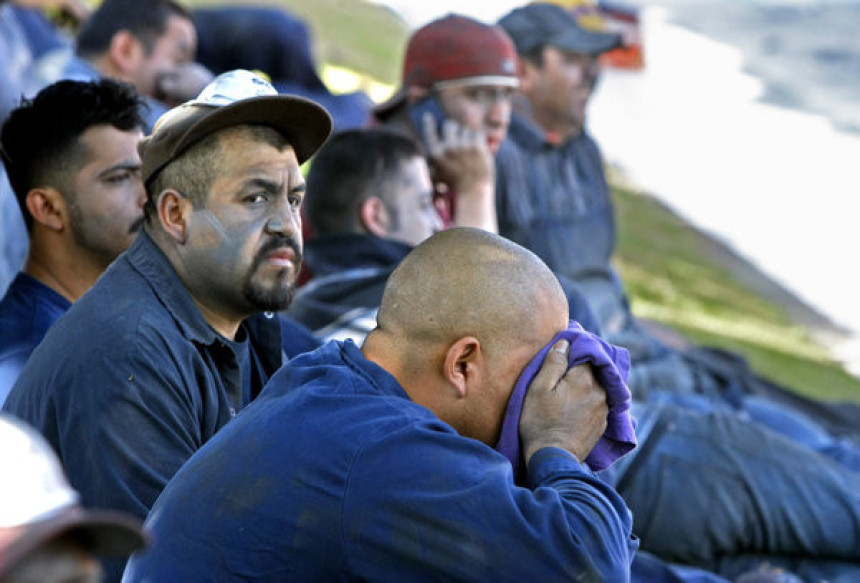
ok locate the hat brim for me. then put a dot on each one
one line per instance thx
(104, 533)
(390, 106)
(585, 41)
(304, 123)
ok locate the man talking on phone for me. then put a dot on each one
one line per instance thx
(459, 79)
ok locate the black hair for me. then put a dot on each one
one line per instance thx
(350, 168)
(39, 141)
(145, 19)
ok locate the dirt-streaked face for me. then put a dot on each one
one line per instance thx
(243, 247)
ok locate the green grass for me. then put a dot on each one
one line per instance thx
(672, 272)
(353, 34)
(674, 277)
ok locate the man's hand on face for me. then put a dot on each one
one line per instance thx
(461, 160)
(564, 407)
(459, 156)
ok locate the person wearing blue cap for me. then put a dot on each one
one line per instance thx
(708, 486)
(179, 333)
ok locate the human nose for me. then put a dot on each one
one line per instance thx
(283, 221)
(499, 113)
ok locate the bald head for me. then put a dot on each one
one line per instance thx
(460, 319)
(469, 282)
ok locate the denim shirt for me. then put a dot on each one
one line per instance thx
(27, 310)
(132, 381)
(553, 199)
(345, 478)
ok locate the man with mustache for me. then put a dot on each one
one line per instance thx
(72, 159)
(179, 334)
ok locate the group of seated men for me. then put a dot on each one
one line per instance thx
(159, 300)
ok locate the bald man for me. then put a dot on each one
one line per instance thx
(377, 463)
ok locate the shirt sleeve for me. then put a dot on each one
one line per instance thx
(425, 504)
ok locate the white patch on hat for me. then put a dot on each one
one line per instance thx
(233, 86)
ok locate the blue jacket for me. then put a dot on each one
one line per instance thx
(334, 474)
(132, 380)
(26, 312)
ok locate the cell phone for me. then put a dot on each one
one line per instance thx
(424, 105)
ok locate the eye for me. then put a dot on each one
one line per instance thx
(120, 176)
(256, 198)
(295, 200)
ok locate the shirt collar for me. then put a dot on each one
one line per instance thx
(530, 136)
(146, 258)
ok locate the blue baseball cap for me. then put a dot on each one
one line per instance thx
(542, 24)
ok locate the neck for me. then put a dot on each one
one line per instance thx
(60, 268)
(226, 326)
(559, 130)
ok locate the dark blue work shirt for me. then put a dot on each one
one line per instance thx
(334, 474)
(27, 310)
(132, 381)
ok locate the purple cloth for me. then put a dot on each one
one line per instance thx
(610, 365)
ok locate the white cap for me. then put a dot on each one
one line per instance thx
(37, 503)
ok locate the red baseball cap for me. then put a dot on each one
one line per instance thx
(455, 49)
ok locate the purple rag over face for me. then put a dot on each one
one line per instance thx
(610, 365)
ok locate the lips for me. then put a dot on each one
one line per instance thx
(284, 257)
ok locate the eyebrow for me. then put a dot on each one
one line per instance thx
(131, 166)
(272, 186)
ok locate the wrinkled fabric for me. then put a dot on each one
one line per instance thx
(132, 380)
(335, 474)
(610, 365)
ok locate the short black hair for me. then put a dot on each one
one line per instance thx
(145, 19)
(350, 168)
(39, 141)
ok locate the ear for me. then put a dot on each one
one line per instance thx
(48, 208)
(374, 216)
(173, 213)
(125, 52)
(463, 364)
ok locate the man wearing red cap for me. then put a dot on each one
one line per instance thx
(459, 77)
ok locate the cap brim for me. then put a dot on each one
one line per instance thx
(105, 533)
(387, 108)
(304, 123)
(586, 41)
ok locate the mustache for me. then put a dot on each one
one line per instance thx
(277, 244)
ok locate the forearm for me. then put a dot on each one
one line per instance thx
(476, 207)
